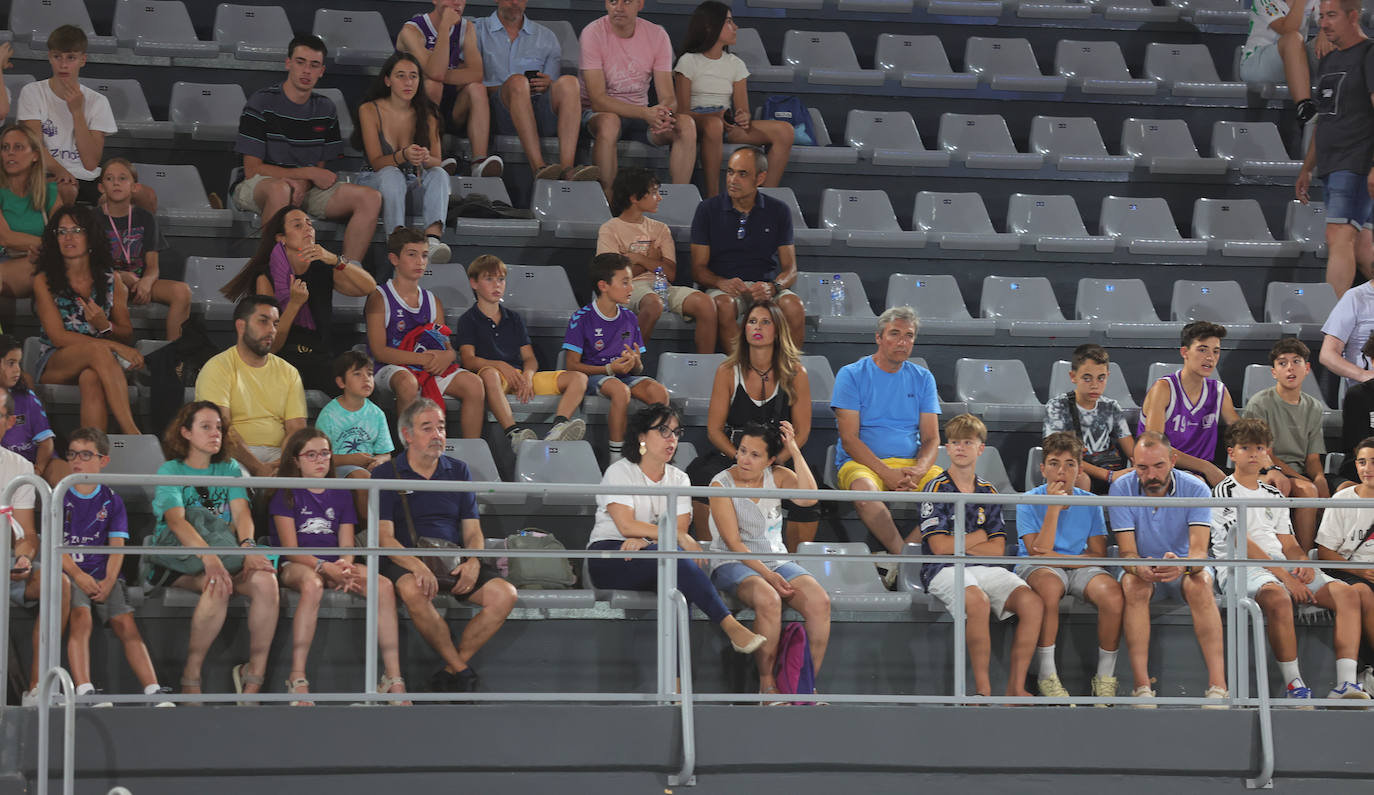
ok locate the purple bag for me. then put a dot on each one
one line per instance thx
(794, 671)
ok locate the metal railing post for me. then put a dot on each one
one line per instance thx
(667, 586)
(685, 777)
(1238, 653)
(373, 561)
(960, 608)
(68, 728)
(42, 495)
(1265, 778)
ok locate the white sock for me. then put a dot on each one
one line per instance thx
(1044, 661)
(1290, 673)
(1106, 663)
(83, 689)
(151, 689)
(1345, 670)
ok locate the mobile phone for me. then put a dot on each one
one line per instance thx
(530, 74)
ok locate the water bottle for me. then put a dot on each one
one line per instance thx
(661, 286)
(837, 296)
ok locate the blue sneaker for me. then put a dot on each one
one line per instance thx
(1349, 690)
(1300, 693)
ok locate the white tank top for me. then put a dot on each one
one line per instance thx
(760, 523)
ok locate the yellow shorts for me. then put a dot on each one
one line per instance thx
(852, 470)
(545, 382)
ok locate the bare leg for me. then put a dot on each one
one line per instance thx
(1197, 590)
(1343, 601)
(567, 106)
(795, 313)
(573, 386)
(405, 388)
(877, 518)
(135, 651)
(32, 591)
(206, 622)
(387, 632)
(429, 623)
(650, 309)
(1028, 609)
(515, 94)
(796, 533)
(811, 600)
(94, 412)
(16, 277)
(726, 325)
(177, 297)
(1293, 51)
(614, 390)
(479, 119)
(1340, 256)
(978, 637)
(263, 608)
(311, 588)
(1050, 589)
(702, 310)
(605, 130)
(66, 365)
(497, 599)
(758, 594)
(79, 645)
(496, 397)
(1136, 622)
(777, 136)
(1278, 620)
(1104, 593)
(358, 206)
(682, 157)
(467, 387)
(711, 128)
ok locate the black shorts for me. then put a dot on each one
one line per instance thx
(1348, 576)
(486, 572)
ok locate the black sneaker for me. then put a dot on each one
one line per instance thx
(444, 681)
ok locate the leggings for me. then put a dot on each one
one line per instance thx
(642, 575)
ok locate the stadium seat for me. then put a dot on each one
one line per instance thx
(252, 33)
(948, 408)
(206, 111)
(135, 455)
(1306, 305)
(865, 218)
(567, 41)
(1026, 307)
(827, 58)
(1098, 67)
(684, 455)
(801, 233)
(558, 462)
(495, 189)
(938, 303)
(476, 454)
(823, 151)
(571, 209)
(1213, 12)
(1117, 387)
(796, 5)
(852, 586)
(1220, 302)
(1052, 224)
(205, 276)
(130, 108)
(181, 197)
(856, 316)
(959, 221)
(989, 467)
(1253, 148)
(919, 62)
(677, 209)
(822, 379)
(1052, 9)
(1135, 11)
(1075, 144)
(1259, 377)
(33, 20)
(1121, 308)
(1034, 457)
(354, 37)
(1164, 146)
(962, 8)
(749, 47)
(983, 141)
(13, 85)
(540, 293)
(875, 6)
(341, 109)
(1306, 224)
(889, 139)
(998, 389)
(1145, 226)
(1236, 228)
(449, 285)
(688, 378)
(159, 27)
(1188, 70)
(1009, 65)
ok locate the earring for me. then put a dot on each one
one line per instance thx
(643, 448)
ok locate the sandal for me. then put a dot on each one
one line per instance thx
(291, 687)
(774, 691)
(388, 682)
(241, 678)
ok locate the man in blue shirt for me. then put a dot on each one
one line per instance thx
(742, 249)
(452, 515)
(1162, 532)
(887, 414)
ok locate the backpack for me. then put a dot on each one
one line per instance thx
(788, 108)
(540, 574)
(794, 672)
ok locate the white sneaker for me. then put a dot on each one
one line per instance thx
(492, 166)
(439, 252)
(519, 436)
(30, 698)
(1218, 693)
(1349, 690)
(1367, 679)
(567, 431)
(1143, 692)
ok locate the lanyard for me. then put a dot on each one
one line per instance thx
(124, 248)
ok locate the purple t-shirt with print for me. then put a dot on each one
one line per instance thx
(30, 425)
(600, 339)
(317, 517)
(91, 521)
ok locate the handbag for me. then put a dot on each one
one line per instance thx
(441, 566)
(213, 528)
(538, 573)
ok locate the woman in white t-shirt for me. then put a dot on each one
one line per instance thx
(710, 85)
(630, 523)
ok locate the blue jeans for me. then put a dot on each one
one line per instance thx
(400, 190)
(1347, 199)
(642, 575)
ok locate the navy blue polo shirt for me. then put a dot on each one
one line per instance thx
(438, 514)
(753, 258)
(496, 341)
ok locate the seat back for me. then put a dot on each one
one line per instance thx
(1217, 301)
(153, 20)
(37, 18)
(450, 286)
(1174, 63)
(1259, 377)
(135, 454)
(961, 213)
(867, 130)
(13, 85)
(1137, 218)
(1306, 223)
(679, 205)
(206, 103)
(989, 467)
(556, 462)
(749, 47)
(176, 186)
(998, 56)
(493, 188)
(206, 275)
(1115, 301)
(340, 110)
(920, 54)
(688, 375)
(539, 287)
(1044, 215)
(1001, 381)
(820, 375)
(362, 30)
(839, 576)
(1062, 135)
(814, 291)
(476, 454)
(1298, 302)
(1147, 138)
(126, 98)
(1102, 60)
(935, 296)
(1020, 298)
(1229, 219)
(562, 200)
(254, 25)
(1061, 382)
(789, 198)
(858, 210)
(965, 133)
(1248, 140)
(826, 49)
(568, 42)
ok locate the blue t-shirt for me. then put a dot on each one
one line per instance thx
(215, 498)
(535, 47)
(499, 342)
(752, 257)
(1071, 532)
(30, 425)
(91, 520)
(889, 406)
(1160, 529)
(317, 516)
(600, 339)
(938, 518)
(361, 431)
(438, 514)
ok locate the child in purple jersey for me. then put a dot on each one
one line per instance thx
(31, 436)
(94, 516)
(603, 341)
(306, 518)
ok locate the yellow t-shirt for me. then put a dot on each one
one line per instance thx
(259, 399)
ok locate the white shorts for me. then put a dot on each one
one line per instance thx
(1256, 577)
(994, 581)
(1075, 580)
(384, 376)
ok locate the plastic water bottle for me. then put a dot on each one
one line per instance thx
(661, 286)
(837, 296)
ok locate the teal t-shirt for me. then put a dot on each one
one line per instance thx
(19, 213)
(215, 498)
(362, 431)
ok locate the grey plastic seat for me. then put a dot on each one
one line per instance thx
(1026, 307)
(749, 47)
(959, 221)
(1160, 369)
(678, 207)
(1259, 377)
(1220, 302)
(1121, 308)
(948, 408)
(493, 188)
(13, 85)
(1305, 224)
(1034, 458)
(33, 20)
(1164, 146)
(558, 462)
(827, 58)
(919, 62)
(354, 37)
(998, 389)
(1188, 70)
(1213, 12)
(938, 303)
(962, 8)
(889, 139)
(1117, 387)
(855, 317)
(822, 378)
(1304, 304)
(1075, 144)
(824, 151)
(1135, 11)
(341, 110)
(802, 234)
(159, 27)
(135, 454)
(1052, 224)
(684, 455)
(181, 196)
(796, 5)
(1098, 67)
(571, 48)
(1237, 228)
(449, 285)
(252, 33)
(206, 111)
(851, 585)
(1145, 226)
(875, 6)
(541, 294)
(1253, 148)
(571, 209)
(989, 467)
(205, 276)
(1009, 65)
(688, 378)
(130, 108)
(476, 454)
(1053, 9)
(983, 141)
(865, 218)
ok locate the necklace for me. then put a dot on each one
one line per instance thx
(762, 374)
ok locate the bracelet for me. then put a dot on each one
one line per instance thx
(248, 542)
(608, 369)
(105, 332)
(319, 566)
(396, 158)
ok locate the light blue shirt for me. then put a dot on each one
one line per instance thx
(535, 47)
(1071, 532)
(1159, 528)
(362, 431)
(890, 406)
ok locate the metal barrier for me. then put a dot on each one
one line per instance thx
(68, 729)
(1265, 779)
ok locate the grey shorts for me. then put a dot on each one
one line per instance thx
(316, 200)
(1075, 580)
(116, 604)
(743, 302)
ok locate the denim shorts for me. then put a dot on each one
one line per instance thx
(1347, 199)
(727, 576)
(630, 129)
(594, 382)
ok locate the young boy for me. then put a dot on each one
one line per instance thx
(1295, 419)
(603, 341)
(1269, 536)
(135, 242)
(94, 517)
(393, 313)
(493, 342)
(648, 245)
(988, 590)
(1051, 533)
(1098, 421)
(356, 427)
(1188, 406)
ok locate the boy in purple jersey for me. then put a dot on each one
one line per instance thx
(94, 516)
(30, 436)
(603, 341)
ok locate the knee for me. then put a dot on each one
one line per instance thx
(123, 626)
(615, 391)
(792, 308)
(477, 93)
(700, 308)
(404, 385)
(687, 128)
(515, 87)
(605, 126)
(367, 200)
(501, 597)
(780, 137)
(263, 585)
(275, 193)
(312, 588)
(725, 308)
(767, 605)
(650, 307)
(491, 380)
(1304, 488)
(567, 84)
(469, 386)
(712, 127)
(577, 382)
(654, 392)
(181, 293)
(976, 602)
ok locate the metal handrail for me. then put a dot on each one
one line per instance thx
(1265, 779)
(685, 777)
(68, 728)
(41, 496)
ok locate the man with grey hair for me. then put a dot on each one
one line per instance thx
(408, 516)
(742, 249)
(887, 413)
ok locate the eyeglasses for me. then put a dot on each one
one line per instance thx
(743, 219)
(666, 431)
(314, 456)
(64, 231)
(81, 455)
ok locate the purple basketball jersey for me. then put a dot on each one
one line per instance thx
(401, 319)
(1192, 427)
